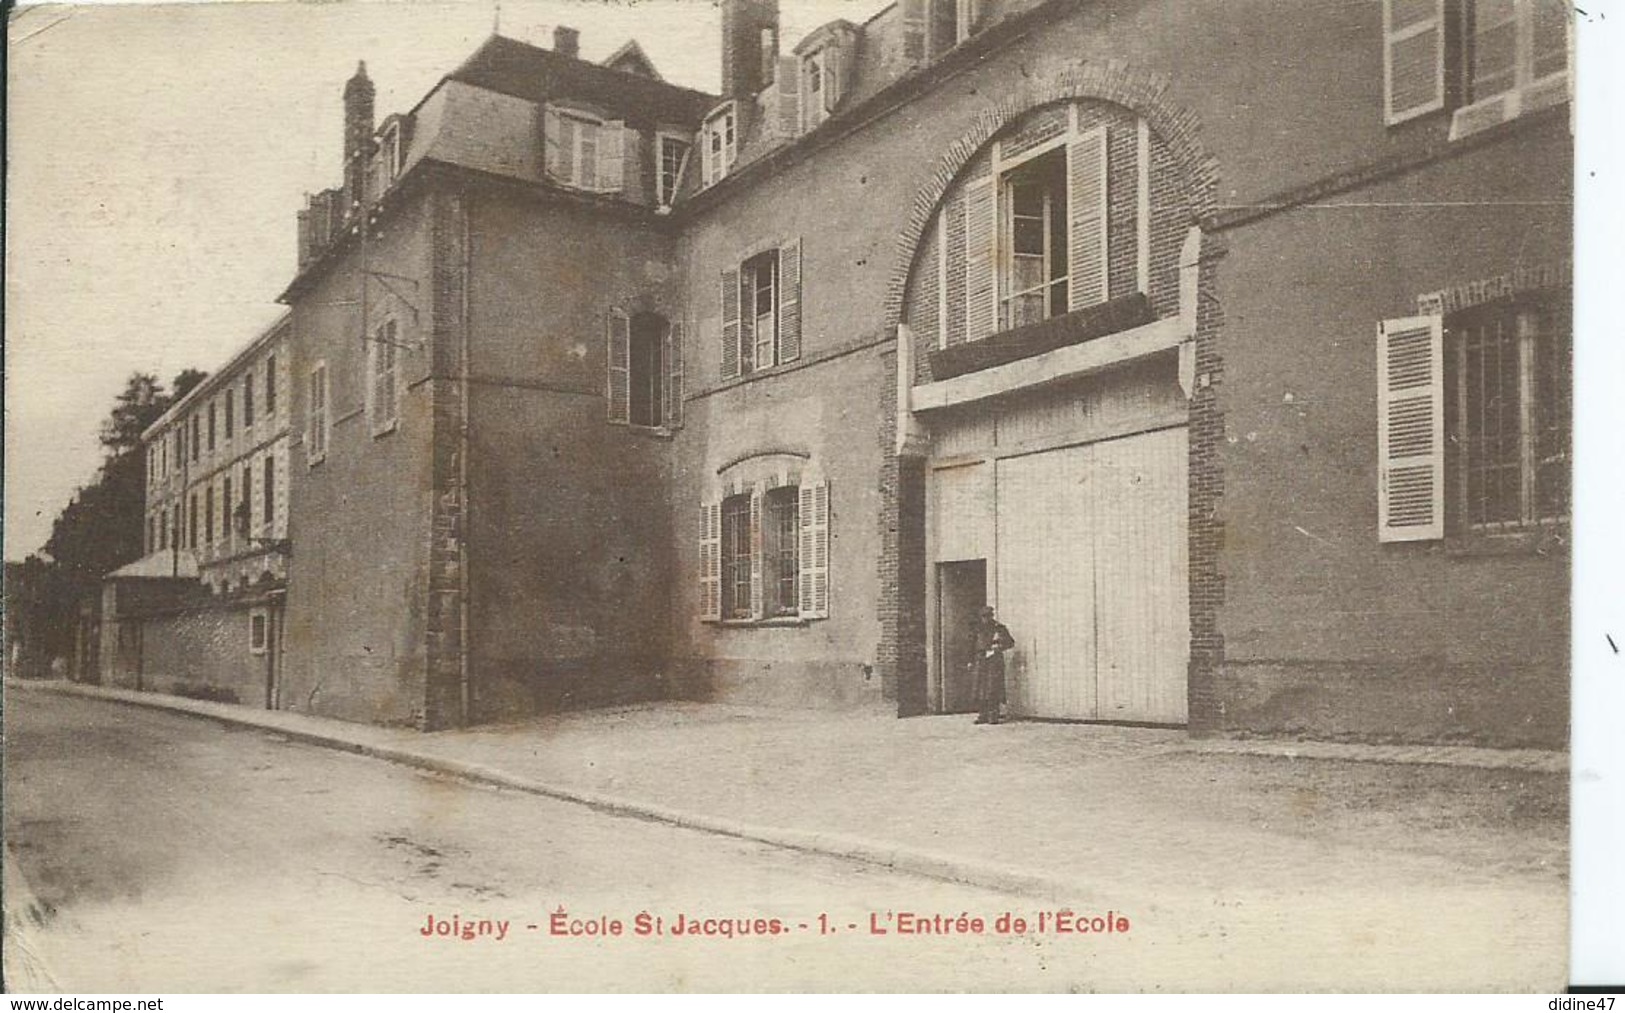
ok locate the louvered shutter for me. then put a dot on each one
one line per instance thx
(789, 94)
(730, 324)
(1086, 219)
(711, 561)
(980, 236)
(1413, 64)
(790, 301)
(756, 552)
(559, 137)
(812, 554)
(1410, 429)
(612, 156)
(618, 354)
(674, 376)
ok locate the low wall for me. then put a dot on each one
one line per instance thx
(1427, 701)
(201, 652)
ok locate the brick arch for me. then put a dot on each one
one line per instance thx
(1141, 91)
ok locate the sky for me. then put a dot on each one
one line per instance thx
(158, 155)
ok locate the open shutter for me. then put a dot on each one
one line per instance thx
(1086, 219)
(980, 236)
(730, 324)
(1410, 429)
(558, 131)
(1413, 70)
(915, 27)
(790, 301)
(674, 376)
(812, 554)
(789, 94)
(756, 552)
(612, 156)
(834, 78)
(618, 353)
(711, 561)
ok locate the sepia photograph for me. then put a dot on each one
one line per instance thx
(791, 496)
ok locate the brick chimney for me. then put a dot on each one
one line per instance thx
(750, 39)
(567, 42)
(358, 128)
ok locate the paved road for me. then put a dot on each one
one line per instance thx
(172, 854)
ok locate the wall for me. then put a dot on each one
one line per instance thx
(357, 573)
(1326, 630)
(568, 550)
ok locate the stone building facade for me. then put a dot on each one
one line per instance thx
(1224, 348)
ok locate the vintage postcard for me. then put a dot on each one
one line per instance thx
(765, 495)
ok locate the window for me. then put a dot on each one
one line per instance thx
(152, 534)
(813, 109)
(258, 630)
(191, 522)
(197, 436)
(248, 400)
(673, 160)
(211, 424)
(584, 151)
(718, 144)
(268, 493)
(382, 401)
(180, 444)
(163, 529)
(270, 386)
(316, 415)
(645, 374)
(761, 311)
(225, 510)
(231, 410)
(1035, 218)
(781, 539)
(242, 519)
(1512, 413)
(736, 558)
(208, 514)
(1475, 419)
(391, 151)
(1489, 60)
(764, 554)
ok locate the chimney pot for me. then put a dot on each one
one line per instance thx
(567, 41)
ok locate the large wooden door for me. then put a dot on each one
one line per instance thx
(1046, 592)
(1091, 579)
(1142, 612)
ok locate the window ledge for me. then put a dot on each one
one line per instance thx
(783, 621)
(649, 432)
(1543, 541)
(385, 429)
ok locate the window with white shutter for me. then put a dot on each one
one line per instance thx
(730, 324)
(316, 415)
(718, 144)
(618, 355)
(813, 558)
(711, 561)
(384, 392)
(1086, 219)
(1413, 58)
(788, 82)
(756, 568)
(789, 349)
(611, 156)
(674, 375)
(584, 151)
(1410, 429)
(980, 240)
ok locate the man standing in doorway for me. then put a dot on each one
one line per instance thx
(991, 640)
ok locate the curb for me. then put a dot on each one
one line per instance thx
(931, 865)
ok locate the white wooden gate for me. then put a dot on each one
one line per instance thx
(1091, 564)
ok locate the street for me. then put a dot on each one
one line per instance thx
(168, 853)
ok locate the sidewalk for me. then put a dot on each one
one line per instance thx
(1081, 814)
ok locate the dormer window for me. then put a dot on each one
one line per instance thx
(820, 85)
(673, 159)
(390, 152)
(719, 143)
(584, 151)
